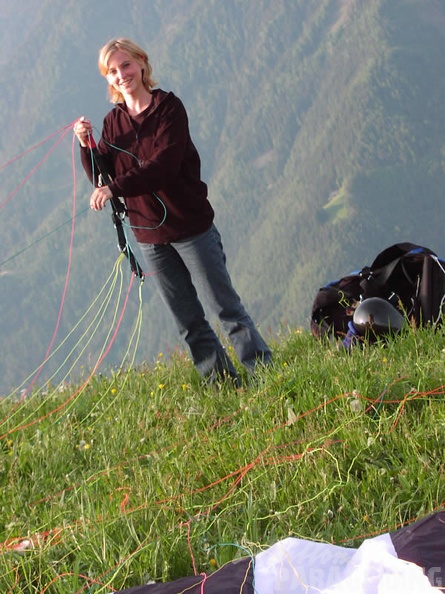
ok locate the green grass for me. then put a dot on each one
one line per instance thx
(147, 474)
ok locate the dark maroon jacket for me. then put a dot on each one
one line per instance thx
(157, 169)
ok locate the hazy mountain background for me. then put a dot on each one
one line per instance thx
(321, 127)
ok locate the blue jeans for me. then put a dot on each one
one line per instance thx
(197, 266)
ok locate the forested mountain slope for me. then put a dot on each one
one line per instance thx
(321, 130)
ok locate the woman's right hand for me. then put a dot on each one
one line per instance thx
(83, 130)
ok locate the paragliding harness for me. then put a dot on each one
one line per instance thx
(409, 276)
(119, 212)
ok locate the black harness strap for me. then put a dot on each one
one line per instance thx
(119, 212)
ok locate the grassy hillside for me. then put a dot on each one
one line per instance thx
(148, 475)
(319, 126)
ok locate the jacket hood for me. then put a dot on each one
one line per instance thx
(159, 97)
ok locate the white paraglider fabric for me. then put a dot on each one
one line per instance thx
(295, 566)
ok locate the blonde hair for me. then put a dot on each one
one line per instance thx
(136, 52)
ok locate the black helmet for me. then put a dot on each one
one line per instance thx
(376, 317)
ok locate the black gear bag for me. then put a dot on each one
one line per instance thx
(409, 276)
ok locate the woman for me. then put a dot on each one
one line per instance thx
(147, 145)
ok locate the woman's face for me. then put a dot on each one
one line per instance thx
(124, 73)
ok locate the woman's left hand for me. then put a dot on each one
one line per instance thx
(99, 197)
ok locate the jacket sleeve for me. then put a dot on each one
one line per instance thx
(168, 147)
